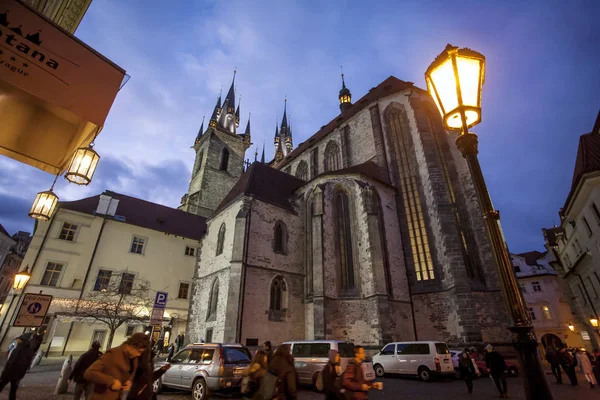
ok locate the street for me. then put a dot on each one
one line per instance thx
(40, 383)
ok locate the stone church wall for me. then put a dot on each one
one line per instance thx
(360, 142)
(210, 267)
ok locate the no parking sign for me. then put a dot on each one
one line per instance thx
(33, 310)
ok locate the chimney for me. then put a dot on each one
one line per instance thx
(107, 205)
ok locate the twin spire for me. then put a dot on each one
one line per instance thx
(284, 143)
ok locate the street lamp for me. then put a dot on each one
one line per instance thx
(571, 327)
(83, 165)
(454, 80)
(44, 204)
(21, 279)
(594, 321)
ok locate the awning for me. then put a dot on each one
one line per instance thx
(55, 91)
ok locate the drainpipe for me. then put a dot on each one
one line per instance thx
(37, 256)
(243, 277)
(85, 279)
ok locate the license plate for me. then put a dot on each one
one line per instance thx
(446, 361)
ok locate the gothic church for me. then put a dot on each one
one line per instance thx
(368, 231)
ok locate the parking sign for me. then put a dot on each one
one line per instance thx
(160, 303)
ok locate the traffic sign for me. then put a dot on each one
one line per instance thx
(33, 310)
(160, 303)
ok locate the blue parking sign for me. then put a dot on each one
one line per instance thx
(160, 301)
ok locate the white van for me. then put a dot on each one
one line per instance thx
(424, 359)
(310, 357)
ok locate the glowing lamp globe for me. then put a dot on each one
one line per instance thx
(21, 279)
(594, 322)
(571, 327)
(83, 165)
(454, 80)
(44, 205)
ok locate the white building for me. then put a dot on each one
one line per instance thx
(92, 242)
(547, 303)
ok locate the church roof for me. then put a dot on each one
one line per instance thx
(368, 169)
(2, 230)
(531, 257)
(266, 184)
(588, 157)
(390, 86)
(146, 215)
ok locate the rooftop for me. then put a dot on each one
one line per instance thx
(146, 215)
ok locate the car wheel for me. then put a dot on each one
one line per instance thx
(199, 390)
(513, 372)
(379, 371)
(424, 374)
(157, 386)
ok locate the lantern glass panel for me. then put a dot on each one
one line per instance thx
(444, 82)
(43, 205)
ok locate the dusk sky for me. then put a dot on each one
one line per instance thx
(542, 88)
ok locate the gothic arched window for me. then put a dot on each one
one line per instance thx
(344, 240)
(224, 160)
(213, 301)
(413, 211)
(277, 299)
(332, 156)
(302, 171)
(280, 237)
(221, 239)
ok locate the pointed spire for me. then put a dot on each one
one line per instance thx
(215, 115)
(345, 96)
(237, 113)
(200, 132)
(262, 158)
(284, 123)
(230, 98)
(255, 154)
(247, 131)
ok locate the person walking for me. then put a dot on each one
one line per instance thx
(466, 366)
(282, 366)
(254, 374)
(553, 360)
(597, 364)
(16, 366)
(268, 349)
(112, 373)
(353, 378)
(171, 352)
(84, 362)
(495, 363)
(142, 386)
(567, 362)
(584, 365)
(330, 373)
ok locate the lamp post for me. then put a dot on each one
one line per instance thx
(21, 279)
(454, 80)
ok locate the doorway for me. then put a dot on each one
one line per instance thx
(99, 336)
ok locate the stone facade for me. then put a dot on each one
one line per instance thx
(383, 240)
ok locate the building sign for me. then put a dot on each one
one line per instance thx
(55, 90)
(158, 311)
(33, 310)
(585, 335)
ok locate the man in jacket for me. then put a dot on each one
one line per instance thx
(552, 358)
(142, 387)
(495, 363)
(330, 374)
(112, 373)
(353, 378)
(84, 362)
(16, 366)
(282, 366)
(567, 363)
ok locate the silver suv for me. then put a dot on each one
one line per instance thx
(204, 367)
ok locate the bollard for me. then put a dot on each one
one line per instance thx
(62, 384)
(37, 359)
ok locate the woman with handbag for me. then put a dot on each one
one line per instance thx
(254, 374)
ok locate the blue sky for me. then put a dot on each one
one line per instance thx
(541, 88)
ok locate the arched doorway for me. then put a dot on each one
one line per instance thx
(551, 340)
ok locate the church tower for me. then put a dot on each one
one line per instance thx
(220, 154)
(345, 96)
(284, 143)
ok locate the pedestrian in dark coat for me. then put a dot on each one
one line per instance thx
(553, 360)
(467, 369)
(567, 362)
(16, 366)
(142, 387)
(353, 379)
(112, 373)
(495, 363)
(171, 351)
(85, 361)
(282, 365)
(330, 373)
(268, 349)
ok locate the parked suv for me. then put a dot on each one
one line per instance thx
(204, 367)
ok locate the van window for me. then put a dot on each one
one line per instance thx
(311, 350)
(346, 350)
(413, 348)
(181, 356)
(441, 348)
(388, 350)
(236, 355)
(201, 356)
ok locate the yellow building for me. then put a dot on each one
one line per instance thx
(104, 239)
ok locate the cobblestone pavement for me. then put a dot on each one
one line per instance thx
(39, 384)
